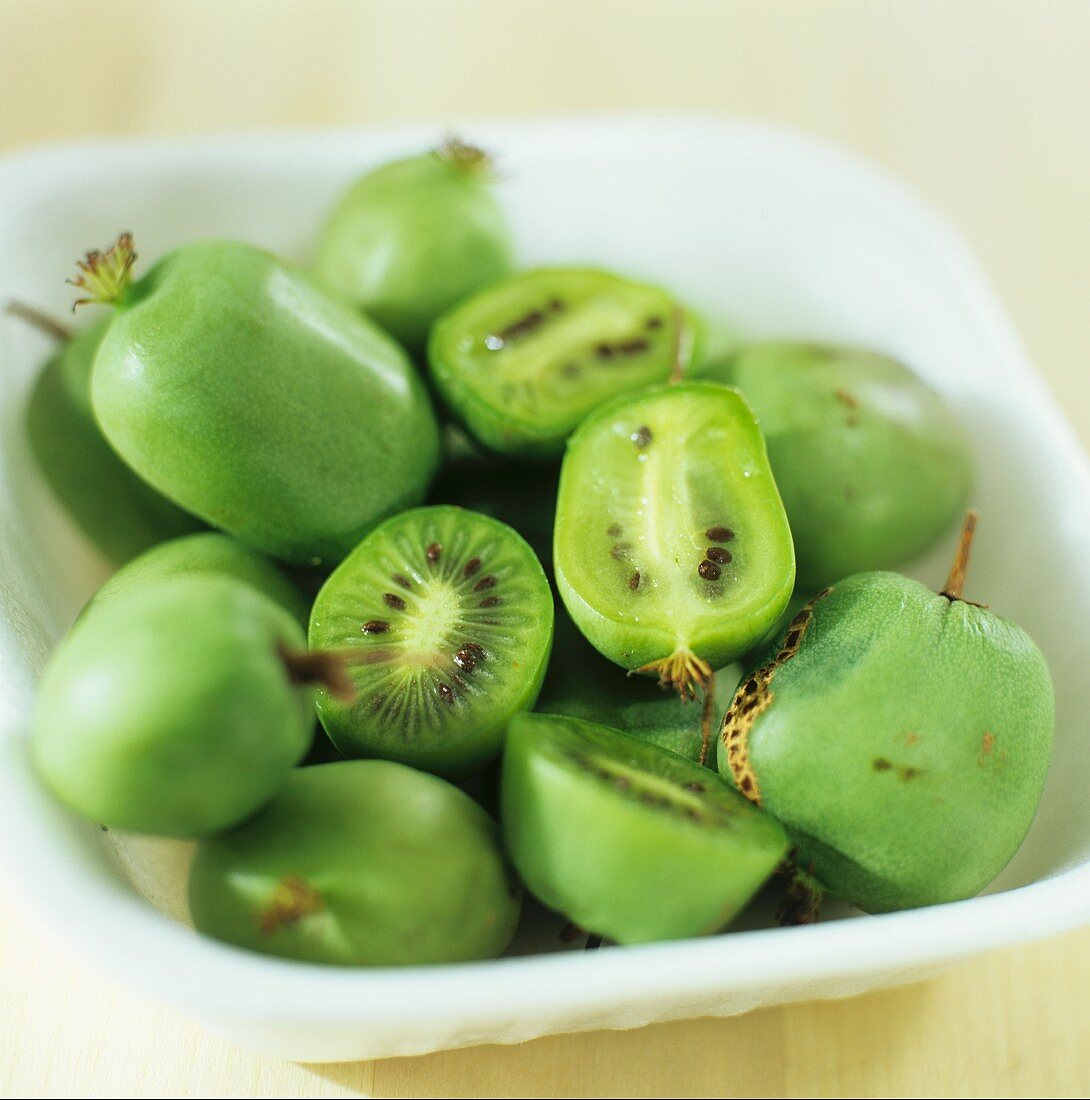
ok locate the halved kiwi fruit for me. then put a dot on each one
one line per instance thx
(523, 361)
(672, 550)
(625, 839)
(446, 619)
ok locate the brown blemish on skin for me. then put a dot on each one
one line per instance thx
(881, 764)
(292, 899)
(753, 697)
(913, 738)
(847, 399)
(908, 774)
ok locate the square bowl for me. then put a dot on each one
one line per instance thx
(776, 233)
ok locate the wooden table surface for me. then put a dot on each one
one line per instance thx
(983, 106)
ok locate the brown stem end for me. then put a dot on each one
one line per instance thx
(955, 582)
(464, 157)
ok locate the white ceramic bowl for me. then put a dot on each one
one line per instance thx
(776, 233)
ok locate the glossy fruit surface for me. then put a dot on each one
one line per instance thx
(522, 362)
(871, 464)
(447, 618)
(901, 737)
(670, 535)
(207, 553)
(170, 709)
(121, 514)
(246, 393)
(413, 237)
(359, 863)
(627, 840)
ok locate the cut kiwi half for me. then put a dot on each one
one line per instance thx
(523, 361)
(671, 548)
(627, 840)
(445, 618)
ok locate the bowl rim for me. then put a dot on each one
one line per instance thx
(107, 924)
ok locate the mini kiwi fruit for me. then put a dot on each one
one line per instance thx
(671, 549)
(445, 618)
(359, 863)
(625, 839)
(524, 360)
(902, 737)
(871, 463)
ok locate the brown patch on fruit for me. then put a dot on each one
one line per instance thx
(753, 697)
(881, 764)
(292, 899)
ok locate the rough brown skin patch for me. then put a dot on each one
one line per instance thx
(293, 898)
(753, 697)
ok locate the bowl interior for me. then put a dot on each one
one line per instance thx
(770, 237)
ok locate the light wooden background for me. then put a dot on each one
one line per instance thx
(983, 106)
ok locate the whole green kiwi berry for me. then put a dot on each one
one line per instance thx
(412, 237)
(176, 708)
(901, 736)
(871, 464)
(243, 391)
(359, 863)
(117, 511)
(207, 553)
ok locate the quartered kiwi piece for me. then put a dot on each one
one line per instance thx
(672, 550)
(523, 361)
(446, 619)
(627, 840)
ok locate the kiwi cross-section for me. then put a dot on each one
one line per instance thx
(628, 840)
(446, 620)
(523, 361)
(672, 550)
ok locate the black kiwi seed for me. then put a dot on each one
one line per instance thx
(571, 370)
(433, 553)
(604, 351)
(719, 534)
(446, 693)
(376, 703)
(471, 567)
(619, 552)
(397, 578)
(491, 601)
(392, 599)
(614, 530)
(468, 657)
(698, 788)
(641, 436)
(485, 582)
(634, 581)
(556, 305)
(709, 570)
(653, 323)
(718, 555)
(376, 626)
(634, 347)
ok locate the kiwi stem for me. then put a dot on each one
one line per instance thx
(464, 157)
(955, 582)
(292, 899)
(48, 326)
(105, 275)
(320, 667)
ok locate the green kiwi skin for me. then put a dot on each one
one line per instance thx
(872, 466)
(906, 743)
(501, 430)
(248, 394)
(390, 867)
(612, 864)
(581, 683)
(115, 509)
(169, 709)
(336, 620)
(207, 553)
(612, 619)
(413, 237)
